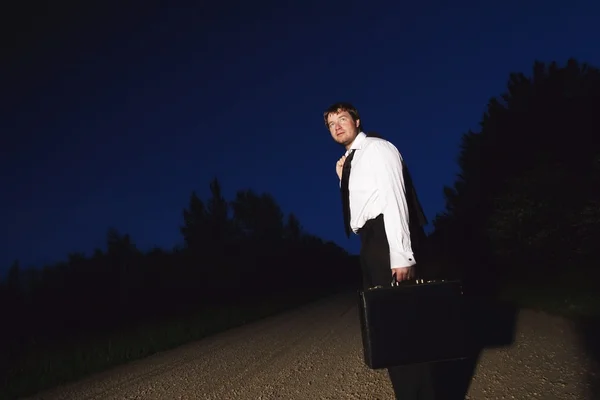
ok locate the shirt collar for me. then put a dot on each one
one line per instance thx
(357, 143)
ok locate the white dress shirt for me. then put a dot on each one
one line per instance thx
(376, 187)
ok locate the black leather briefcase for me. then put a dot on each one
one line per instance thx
(413, 322)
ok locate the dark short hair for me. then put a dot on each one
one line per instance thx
(339, 107)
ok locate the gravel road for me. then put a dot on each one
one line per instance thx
(315, 353)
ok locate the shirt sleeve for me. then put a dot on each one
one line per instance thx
(387, 164)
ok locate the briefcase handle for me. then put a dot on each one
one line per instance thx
(412, 282)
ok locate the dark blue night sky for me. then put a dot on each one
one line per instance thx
(114, 120)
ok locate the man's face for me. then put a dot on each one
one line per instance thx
(342, 128)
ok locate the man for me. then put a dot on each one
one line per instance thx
(374, 186)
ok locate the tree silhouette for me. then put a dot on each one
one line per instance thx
(194, 218)
(292, 229)
(217, 212)
(524, 204)
(234, 252)
(13, 279)
(258, 217)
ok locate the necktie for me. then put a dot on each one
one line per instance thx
(345, 192)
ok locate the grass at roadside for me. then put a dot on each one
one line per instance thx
(569, 297)
(45, 368)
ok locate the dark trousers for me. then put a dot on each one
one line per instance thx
(409, 382)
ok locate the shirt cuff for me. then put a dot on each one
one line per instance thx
(402, 259)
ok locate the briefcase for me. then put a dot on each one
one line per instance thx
(413, 322)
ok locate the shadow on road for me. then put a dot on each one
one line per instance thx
(589, 331)
(491, 324)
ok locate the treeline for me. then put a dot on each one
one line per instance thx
(235, 252)
(526, 203)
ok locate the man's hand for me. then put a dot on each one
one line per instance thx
(402, 273)
(339, 166)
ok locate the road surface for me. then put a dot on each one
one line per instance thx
(315, 353)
